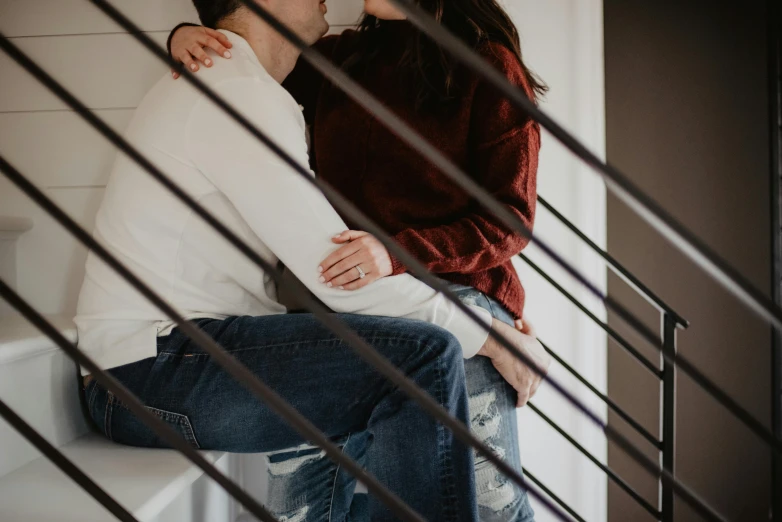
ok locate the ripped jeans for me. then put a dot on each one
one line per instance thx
(315, 371)
(492, 403)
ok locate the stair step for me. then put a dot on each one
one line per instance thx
(40, 383)
(144, 481)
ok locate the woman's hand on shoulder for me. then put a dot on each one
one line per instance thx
(359, 249)
(189, 44)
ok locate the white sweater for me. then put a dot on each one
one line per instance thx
(244, 184)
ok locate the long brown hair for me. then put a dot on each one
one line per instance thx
(428, 69)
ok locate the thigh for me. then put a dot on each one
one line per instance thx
(310, 367)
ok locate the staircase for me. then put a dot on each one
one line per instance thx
(40, 382)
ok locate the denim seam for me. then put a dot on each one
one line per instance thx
(309, 343)
(170, 417)
(445, 459)
(492, 306)
(334, 482)
(91, 399)
(107, 415)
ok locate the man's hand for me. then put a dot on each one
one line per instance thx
(188, 44)
(358, 249)
(525, 326)
(524, 379)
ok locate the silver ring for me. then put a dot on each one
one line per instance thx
(361, 274)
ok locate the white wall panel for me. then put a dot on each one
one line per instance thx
(60, 149)
(51, 263)
(344, 12)
(53, 17)
(103, 71)
(562, 41)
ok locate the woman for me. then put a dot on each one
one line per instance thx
(433, 219)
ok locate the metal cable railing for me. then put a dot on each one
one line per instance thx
(670, 320)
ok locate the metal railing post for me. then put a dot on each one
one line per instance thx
(668, 414)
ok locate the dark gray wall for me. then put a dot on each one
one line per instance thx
(687, 119)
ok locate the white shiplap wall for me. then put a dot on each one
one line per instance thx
(108, 71)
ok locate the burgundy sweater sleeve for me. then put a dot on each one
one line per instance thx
(304, 82)
(505, 144)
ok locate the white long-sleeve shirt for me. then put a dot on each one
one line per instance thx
(254, 193)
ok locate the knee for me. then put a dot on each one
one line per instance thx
(444, 348)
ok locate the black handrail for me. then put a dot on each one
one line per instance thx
(613, 334)
(617, 267)
(680, 362)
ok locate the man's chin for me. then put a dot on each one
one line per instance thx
(324, 29)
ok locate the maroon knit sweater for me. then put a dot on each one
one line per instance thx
(430, 216)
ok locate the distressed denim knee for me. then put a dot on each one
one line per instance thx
(300, 484)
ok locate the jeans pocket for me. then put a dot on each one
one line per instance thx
(122, 426)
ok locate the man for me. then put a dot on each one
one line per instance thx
(283, 218)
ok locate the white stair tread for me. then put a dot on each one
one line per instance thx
(19, 339)
(144, 481)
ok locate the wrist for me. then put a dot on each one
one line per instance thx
(490, 347)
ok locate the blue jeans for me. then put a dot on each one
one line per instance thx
(492, 404)
(314, 370)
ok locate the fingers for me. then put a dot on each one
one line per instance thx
(534, 388)
(199, 54)
(221, 38)
(527, 327)
(519, 324)
(346, 278)
(217, 47)
(217, 42)
(523, 398)
(349, 235)
(361, 283)
(349, 263)
(187, 61)
(328, 264)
